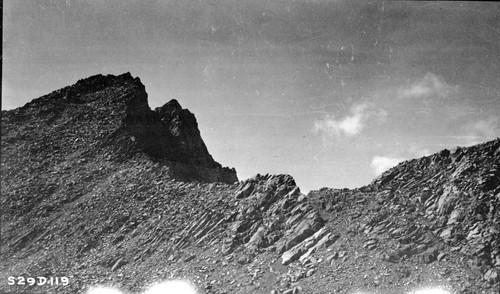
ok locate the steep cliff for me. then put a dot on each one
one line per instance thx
(108, 118)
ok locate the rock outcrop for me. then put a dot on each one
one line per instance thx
(437, 209)
(108, 117)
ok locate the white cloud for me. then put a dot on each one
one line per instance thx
(482, 130)
(487, 128)
(381, 115)
(380, 164)
(351, 125)
(418, 151)
(429, 85)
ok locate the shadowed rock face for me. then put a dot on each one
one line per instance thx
(97, 185)
(112, 112)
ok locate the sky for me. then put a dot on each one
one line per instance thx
(330, 92)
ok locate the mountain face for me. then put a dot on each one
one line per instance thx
(108, 118)
(99, 188)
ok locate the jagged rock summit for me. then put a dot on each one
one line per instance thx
(109, 117)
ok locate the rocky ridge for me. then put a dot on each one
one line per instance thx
(105, 204)
(108, 118)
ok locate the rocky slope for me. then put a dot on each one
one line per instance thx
(107, 118)
(101, 189)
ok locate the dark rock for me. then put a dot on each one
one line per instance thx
(307, 227)
(370, 244)
(189, 258)
(244, 259)
(245, 191)
(429, 255)
(332, 257)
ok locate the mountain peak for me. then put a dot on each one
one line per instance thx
(110, 114)
(171, 105)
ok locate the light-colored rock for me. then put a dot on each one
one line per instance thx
(118, 264)
(257, 240)
(455, 215)
(332, 257)
(447, 199)
(310, 272)
(446, 233)
(492, 276)
(474, 232)
(292, 255)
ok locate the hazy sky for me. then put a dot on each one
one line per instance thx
(331, 92)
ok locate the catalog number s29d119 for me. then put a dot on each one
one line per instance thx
(37, 281)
